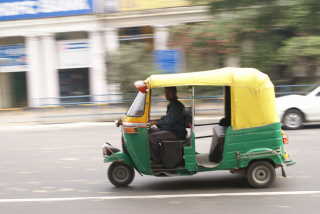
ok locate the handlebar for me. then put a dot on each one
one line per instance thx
(118, 123)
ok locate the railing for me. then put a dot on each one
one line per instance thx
(118, 98)
(111, 106)
(84, 100)
(293, 89)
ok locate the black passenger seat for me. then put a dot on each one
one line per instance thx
(217, 144)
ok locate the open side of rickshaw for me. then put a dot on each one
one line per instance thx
(248, 139)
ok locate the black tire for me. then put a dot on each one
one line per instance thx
(120, 174)
(260, 174)
(292, 119)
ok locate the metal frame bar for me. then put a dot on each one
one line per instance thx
(193, 108)
(206, 124)
(206, 136)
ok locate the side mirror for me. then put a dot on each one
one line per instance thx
(118, 122)
(223, 122)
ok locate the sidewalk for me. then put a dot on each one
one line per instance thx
(105, 113)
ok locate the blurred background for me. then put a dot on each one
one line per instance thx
(84, 55)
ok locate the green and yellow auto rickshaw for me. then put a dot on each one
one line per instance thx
(248, 139)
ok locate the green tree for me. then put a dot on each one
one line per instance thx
(205, 45)
(133, 61)
(278, 30)
(303, 50)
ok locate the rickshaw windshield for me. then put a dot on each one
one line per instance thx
(137, 107)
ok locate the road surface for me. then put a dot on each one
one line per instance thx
(59, 169)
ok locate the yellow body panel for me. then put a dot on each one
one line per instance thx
(252, 92)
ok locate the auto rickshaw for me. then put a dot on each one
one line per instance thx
(248, 139)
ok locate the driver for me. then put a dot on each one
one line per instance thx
(169, 127)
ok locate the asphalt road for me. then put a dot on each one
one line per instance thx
(59, 169)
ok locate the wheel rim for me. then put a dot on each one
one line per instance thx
(121, 174)
(292, 120)
(261, 175)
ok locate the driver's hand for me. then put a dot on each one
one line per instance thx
(149, 125)
(152, 123)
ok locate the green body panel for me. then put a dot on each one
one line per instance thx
(137, 145)
(190, 156)
(243, 146)
(119, 156)
(240, 148)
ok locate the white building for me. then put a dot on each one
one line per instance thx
(55, 48)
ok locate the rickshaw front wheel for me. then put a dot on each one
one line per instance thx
(120, 174)
(261, 174)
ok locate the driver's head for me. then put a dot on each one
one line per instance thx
(171, 93)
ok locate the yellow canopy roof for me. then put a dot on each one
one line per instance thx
(238, 77)
(252, 92)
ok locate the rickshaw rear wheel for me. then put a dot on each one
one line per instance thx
(261, 174)
(120, 174)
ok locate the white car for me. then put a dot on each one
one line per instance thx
(295, 110)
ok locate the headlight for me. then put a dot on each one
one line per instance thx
(286, 156)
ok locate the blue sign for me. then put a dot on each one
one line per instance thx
(168, 60)
(12, 55)
(26, 9)
(76, 45)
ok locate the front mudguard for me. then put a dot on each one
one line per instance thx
(289, 162)
(119, 157)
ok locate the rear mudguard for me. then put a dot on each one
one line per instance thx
(119, 157)
(243, 160)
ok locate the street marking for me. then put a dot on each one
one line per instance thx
(65, 190)
(247, 194)
(284, 206)
(55, 126)
(40, 191)
(69, 159)
(49, 188)
(34, 127)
